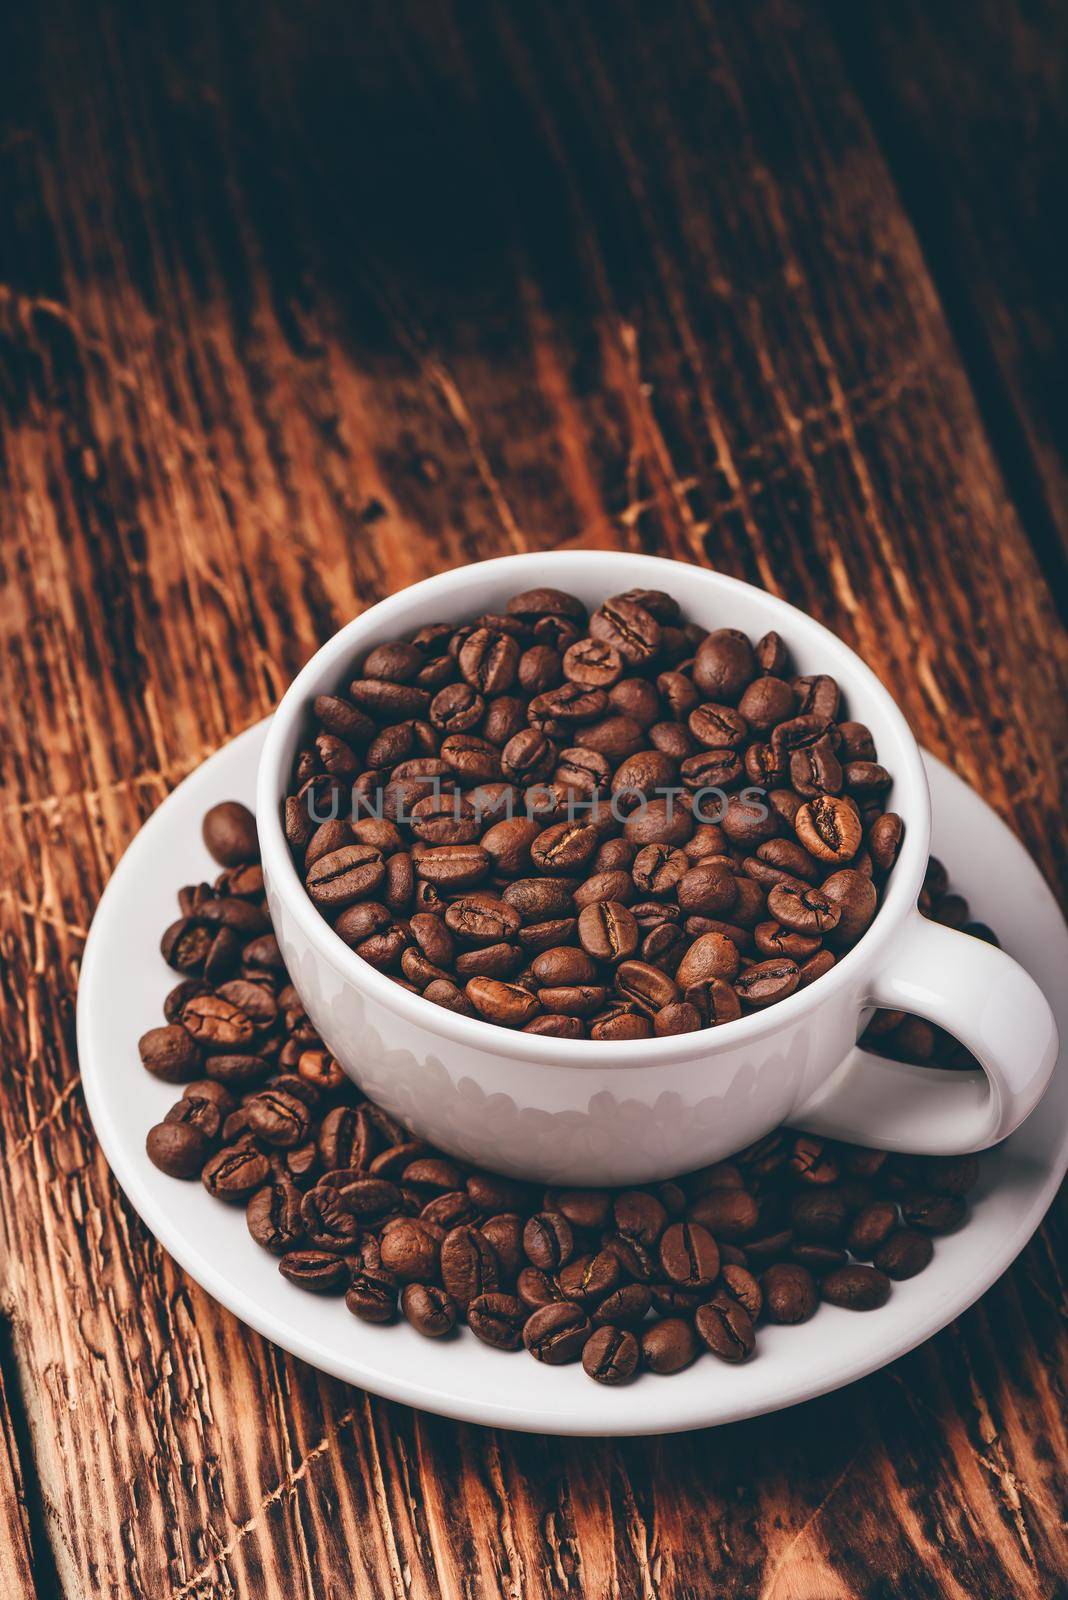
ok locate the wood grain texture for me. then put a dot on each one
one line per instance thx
(299, 305)
(970, 102)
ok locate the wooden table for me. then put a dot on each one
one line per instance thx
(301, 303)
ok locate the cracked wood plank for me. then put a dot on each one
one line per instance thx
(296, 310)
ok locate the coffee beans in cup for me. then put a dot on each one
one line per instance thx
(607, 825)
(354, 1208)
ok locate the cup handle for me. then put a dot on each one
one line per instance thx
(979, 994)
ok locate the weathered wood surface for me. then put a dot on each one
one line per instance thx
(970, 102)
(297, 305)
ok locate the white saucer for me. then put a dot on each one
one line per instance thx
(124, 981)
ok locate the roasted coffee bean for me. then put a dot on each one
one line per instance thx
(629, 628)
(556, 1334)
(233, 1175)
(813, 1161)
(645, 986)
(279, 1119)
(772, 939)
(428, 1309)
(346, 1138)
(589, 1279)
(830, 829)
(904, 1254)
(739, 1284)
(675, 1019)
(468, 1265)
(731, 1214)
(506, 1003)
(573, 1000)
(711, 955)
(689, 1255)
(178, 1148)
(314, 1270)
(498, 1319)
(790, 1293)
(537, 1288)
(229, 830)
(668, 1346)
(667, 822)
(369, 1199)
(611, 1356)
(856, 899)
(409, 1251)
(620, 1024)
(819, 1215)
(539, 899)
(715, 1001)
(583, 1208)
(327, 1225)
(548, 1240)
(563, 849)
(569, 705)
(884, 840)
(871, 1227)
(274, 1218)
(855, 1288)
(639, 1216)
(724, 665)
(237, 1071)
(488, 661)
(453, 867)
(505, 1234)
(563, 965)
(803, 908)
(933, 1213)
(767, 981)
(217, 1093)
(818, 1258)
(372, 1296)
(171, 1053)
(593, 663)
(726, 1328)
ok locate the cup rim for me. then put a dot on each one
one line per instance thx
(912, 801)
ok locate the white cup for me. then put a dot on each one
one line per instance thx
(587, 1112)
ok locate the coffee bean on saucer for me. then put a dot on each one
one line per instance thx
(668, 1345)
(179, 1149)
(468, 1265)
(933, 1213)
(548, 1240)
(314, 1270)
(611, 1356)
(235, 1174)
(726, 1328)
(498, 1320)
(556, 1334)
(229, 830)
(904, 1254)
(428, 1309)
(856, 1288)
(871, 1227)
(689, 1255)
(273, 1216)
(170, 1053)
(790, 1293)
(372, 1296)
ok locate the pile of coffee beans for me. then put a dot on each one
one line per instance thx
(610, 826)
(351, 1204)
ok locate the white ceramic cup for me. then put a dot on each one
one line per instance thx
(585, 1112)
